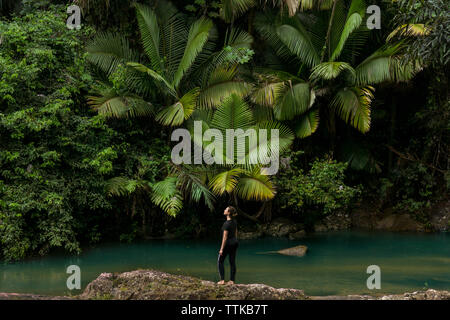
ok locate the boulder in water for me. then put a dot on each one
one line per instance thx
(298, 251)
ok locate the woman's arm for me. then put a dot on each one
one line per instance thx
(224, 240)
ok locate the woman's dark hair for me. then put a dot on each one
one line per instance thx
(232, 211)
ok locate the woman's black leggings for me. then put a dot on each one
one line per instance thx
(230, 249)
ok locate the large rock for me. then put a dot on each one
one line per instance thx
(250, 235)
(281, 227)
(386, 220)
(334, 222)
(399, 222)
(157, 285)
(440, 216)
(337, 221)
(320, 227)
(298, 251)
(297, 235)
(364, 218)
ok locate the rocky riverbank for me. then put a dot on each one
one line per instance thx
(157, 285)
(363, 217)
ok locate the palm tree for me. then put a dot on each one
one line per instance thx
(233, 9)
(187, 74)
(243, 176)
(179, 65)
(168, 194)
(326, 50)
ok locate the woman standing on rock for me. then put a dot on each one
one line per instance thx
(229, 245)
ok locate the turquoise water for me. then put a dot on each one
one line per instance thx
(335, 264)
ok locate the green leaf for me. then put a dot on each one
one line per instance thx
(166, 195)
(307, 124)
(330, 70)
(299, 43)
(296, 101)
(198, 35)
(149, 28)
(225, 181)
(255, 186)
(234, 113)
(352, 104)
(177, 113)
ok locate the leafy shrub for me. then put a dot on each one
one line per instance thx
(322, 187)
(54, 154)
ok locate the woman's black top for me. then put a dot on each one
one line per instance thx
(231, 227)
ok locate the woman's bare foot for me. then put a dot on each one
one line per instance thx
(230, 282)
(221, 282)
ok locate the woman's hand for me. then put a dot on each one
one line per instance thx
(221, 252)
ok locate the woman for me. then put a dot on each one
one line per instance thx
(229, 245)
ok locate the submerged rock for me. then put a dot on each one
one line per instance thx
(157, 285)
(298, 251)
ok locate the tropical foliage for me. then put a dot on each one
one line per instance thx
(87, 116)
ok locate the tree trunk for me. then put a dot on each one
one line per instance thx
(144, 225)
(325, 45)
(392, 132)
(236, 204)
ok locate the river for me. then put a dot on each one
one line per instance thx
(336, 263)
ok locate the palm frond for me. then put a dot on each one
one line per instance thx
(181, 110)
(255, 186)
(353, 22)
(296, 101)
(166, 195)
(409, 30)
(221, 84)
(269, 89)
(307, 124)
(352, 104)
(191, 185)
(266, 24)
(120, 105)
(108, 50)
(299, 43)
(198, 35)
(149, 29)
(156, 76)
(232, 9)
(330, 70)
(269, 145)
(174, 33)
(379, 67)
(225, 181)
(234, 113)
(117, 186)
